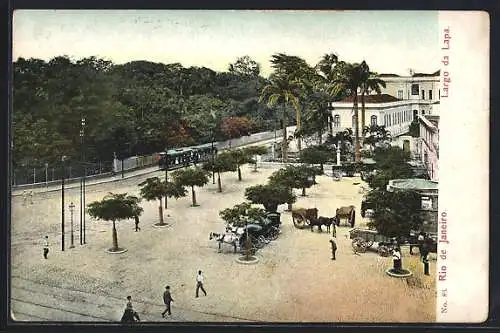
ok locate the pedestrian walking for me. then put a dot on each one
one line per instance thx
(334, 247)
(137, 223)
(425, 260)
(129, 311)
(25, 197)
(167, 299)
(199, 283)
(46, 247)
(396, 258)
(31, 197)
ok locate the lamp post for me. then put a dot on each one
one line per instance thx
(71, 209)
(63, 159)
(166, 172)
(47, 176)
(212, 112)
(338, 153)
(82, 184)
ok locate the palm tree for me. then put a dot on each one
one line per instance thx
(155, 189)
(370, 82)
(297, 70)
(115, 207)
(348, 78)
(283, 91)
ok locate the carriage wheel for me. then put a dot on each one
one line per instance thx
(384, 251)
(359, 245)
(263, 240)
(299, 221)
(257, 242)
(274, 234)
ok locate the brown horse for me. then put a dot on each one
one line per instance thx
(347, 212)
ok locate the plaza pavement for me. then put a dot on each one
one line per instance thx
(294, 280)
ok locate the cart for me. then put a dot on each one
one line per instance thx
(362, 239)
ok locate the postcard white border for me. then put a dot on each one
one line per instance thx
(462, 270)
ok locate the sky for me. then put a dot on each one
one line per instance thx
(390, 41)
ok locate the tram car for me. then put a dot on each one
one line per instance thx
(181, 157)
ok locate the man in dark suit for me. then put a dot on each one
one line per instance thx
(167, 299)
(334, 247)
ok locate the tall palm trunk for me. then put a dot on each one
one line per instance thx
(357, 152)
(160, 212)
(193, 195)
(299, 126)
(284, 155)
(330, 125)
(115, 238)
(363, 117)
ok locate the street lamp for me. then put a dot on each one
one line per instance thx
(82, 185)
(166, 172)
(71, 209)
(63, 159)
(212, 112)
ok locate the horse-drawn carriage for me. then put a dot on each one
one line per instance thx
(362, 239)
(308, 217)
(258, 233)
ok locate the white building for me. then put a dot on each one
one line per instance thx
(428, 144)
(382, 110)
(416, 86)
(403, 99)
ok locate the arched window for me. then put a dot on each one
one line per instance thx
(373, 120)
(336, 121)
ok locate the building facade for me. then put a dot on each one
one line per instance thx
(428, 144)
(416, 86)
(404, 99)
(382, 110)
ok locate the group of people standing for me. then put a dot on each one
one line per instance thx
(130, 315)
(423, 250)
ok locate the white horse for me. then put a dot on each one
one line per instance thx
(228, 238)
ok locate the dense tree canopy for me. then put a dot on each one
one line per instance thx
(136, 108)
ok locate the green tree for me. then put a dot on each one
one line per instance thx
(254, 151)
(315, 155)
(395, 213)
(191, 177)
(270, 195)
(282, 91)
(376, 134)
(290, 177)
(391, 163)
(223, 162)
(242, 213)
(245, 66)
(115, 207)
(240, 157)
(155, 189)
(296, 69)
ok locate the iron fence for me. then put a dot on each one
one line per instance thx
(50, 173)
